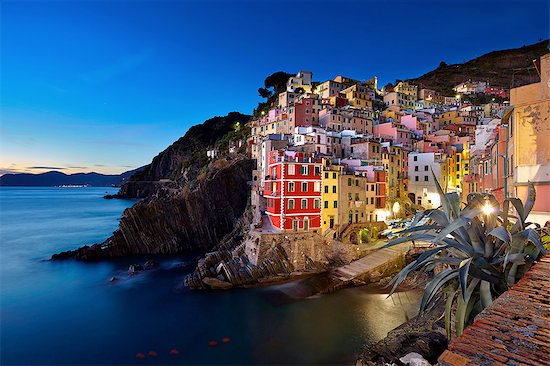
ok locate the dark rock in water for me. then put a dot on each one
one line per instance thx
(150, 264)
(424, 335)
(216, 283)
(135, 268)
(112, 279)
(110, 196)
(178, 221)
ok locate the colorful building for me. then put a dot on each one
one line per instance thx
(292, 191)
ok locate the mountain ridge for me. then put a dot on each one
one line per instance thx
(56, 178)
(502, 68)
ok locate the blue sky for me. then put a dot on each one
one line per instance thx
(104, 86)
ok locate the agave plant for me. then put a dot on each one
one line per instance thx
(477, 252)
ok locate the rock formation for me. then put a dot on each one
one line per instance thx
(190, 202)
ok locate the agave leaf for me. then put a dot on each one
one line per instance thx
(462, 306)
(530, 201)
(514, 258)
(466, 249)
(501, 233)
(480, 274)
(451, 292)
(485, 294)
(534, 238)
(444, 199)
(435, 284)
(419, 262)
(418, 228)
(439, 217)
(505, 212)
(454, 201)
(511, 277)
(463, 275)
(406, 238)
(518, 206)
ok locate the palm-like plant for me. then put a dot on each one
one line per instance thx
(478, 252)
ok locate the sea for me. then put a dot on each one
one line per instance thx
(70, 313)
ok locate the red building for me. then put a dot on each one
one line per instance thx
(306, 112)
(293, 191)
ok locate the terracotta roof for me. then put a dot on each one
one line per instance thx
(514, 330)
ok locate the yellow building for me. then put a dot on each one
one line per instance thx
(404, 87)
(392, 159)
(457, 168)
(357, 96)
(330, 178)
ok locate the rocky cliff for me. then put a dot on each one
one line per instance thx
(178, 221)
(190, 202)
(182, 161)
(505, 69)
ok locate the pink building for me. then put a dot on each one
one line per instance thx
(396, 132)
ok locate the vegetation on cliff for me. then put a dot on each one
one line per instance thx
(503, 69)
(182, 161)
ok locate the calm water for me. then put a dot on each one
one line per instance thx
(68, 312)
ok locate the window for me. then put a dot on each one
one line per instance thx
(317, 186)
(326, 189)
(416, 168)
(425, 178)
(372, 200)
(326, 204)
(415, 158)
(326, 176)
(335, 204)
(317, 203)
(357, 196)
(333, 175)
(349, 197)
(273, 173)
(304, 186)
(349, 182)
(317, 170)
(291, 186)
(333, 189)
(416, 178)
(290, 204)
(372, 187)
(367, 188)
(425, 168)
(304, 203)
(458, 176)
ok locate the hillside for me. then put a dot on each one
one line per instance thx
(181, 162)
(190, 202)
(504, 69)
(55, 178)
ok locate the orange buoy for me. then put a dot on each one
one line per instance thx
(174, 352)
(140, 356)
(226, 340)
(153, 354)
(212, 343)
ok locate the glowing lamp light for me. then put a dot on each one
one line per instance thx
(395, 208)
(488, 209)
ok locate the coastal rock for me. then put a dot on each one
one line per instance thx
(414, 359)
(179, 221)
(216, 283)
(423, 335)
(135, 268)
(150, 264)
